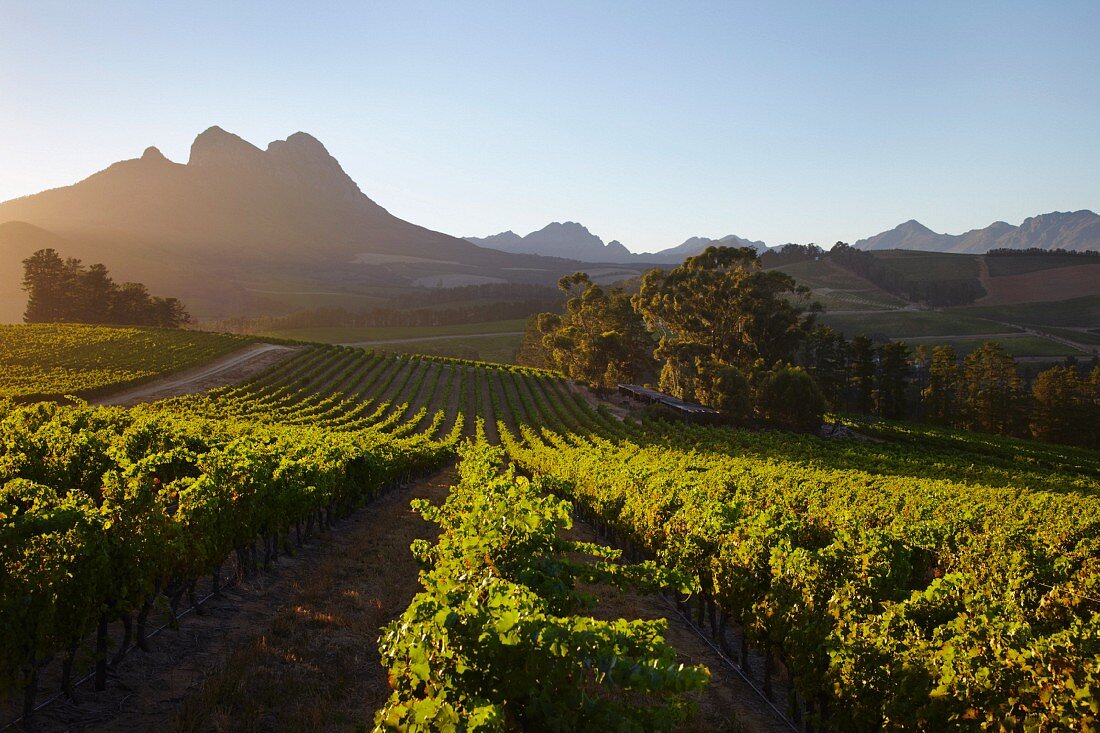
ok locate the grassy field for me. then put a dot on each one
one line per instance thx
(1080, 335)
(500, 349)
(911, 324)
(1016, 345)
(1076, 312)
(341, 335)
(837, 289)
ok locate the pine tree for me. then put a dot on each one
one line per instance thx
(994, 398)
(863, 373)
(942, 392)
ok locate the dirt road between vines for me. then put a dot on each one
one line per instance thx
(293, 649)
(229, 369)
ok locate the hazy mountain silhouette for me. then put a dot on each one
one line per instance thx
(236, 218)
(694, 245)
(232, 198)
(1077, 230)
(573, 240)
(559, 239)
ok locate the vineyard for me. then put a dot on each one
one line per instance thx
(43, 361)
(920, 579)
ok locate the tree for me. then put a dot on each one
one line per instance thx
(942, 393)
(993, 394)
(825, 355)
(863, 373)
(67, 291)
(532, 351)
(1065, 408)
(892, 379)
(727, 390)
(45, 280)
(599, 339)
(720, 308)
(95, 291)
(788, 397)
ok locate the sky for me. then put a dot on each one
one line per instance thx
(647, 122)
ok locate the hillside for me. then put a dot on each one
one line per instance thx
(1039, 306)
(236, 228)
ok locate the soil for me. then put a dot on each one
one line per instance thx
(1067, 282)
(229, 369)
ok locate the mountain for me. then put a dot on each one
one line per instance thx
(238, 227)
(559, 239)
(570, 239)
(1077, 230)
(694, 245)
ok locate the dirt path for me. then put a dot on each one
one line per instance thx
(229, 369)
(383, 342)
(292, 650)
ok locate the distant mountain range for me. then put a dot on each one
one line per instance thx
(573, 240)
(1077, 230)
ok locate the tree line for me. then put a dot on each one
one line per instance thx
(64, 290)
(722, 331)
(983, 391)
(1040, 252)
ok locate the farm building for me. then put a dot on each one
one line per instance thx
(687, 410)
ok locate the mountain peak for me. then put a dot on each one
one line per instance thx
(302, 143)
(154, 154)
(216, 146)
(913, 226)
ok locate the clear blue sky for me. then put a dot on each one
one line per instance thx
(649, 123)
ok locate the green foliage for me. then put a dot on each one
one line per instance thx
(943, 392)
(599, 339)
(993, 393)
(1066, 408)
(492, 643)
(720, 308)
(725, 388)
(788, 397)
(913, 585)
(826, 355)
(54, 360)
(891, 379)
(65, 291)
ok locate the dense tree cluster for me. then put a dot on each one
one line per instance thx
(939, 293)
(718, 329)
(66, 291)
